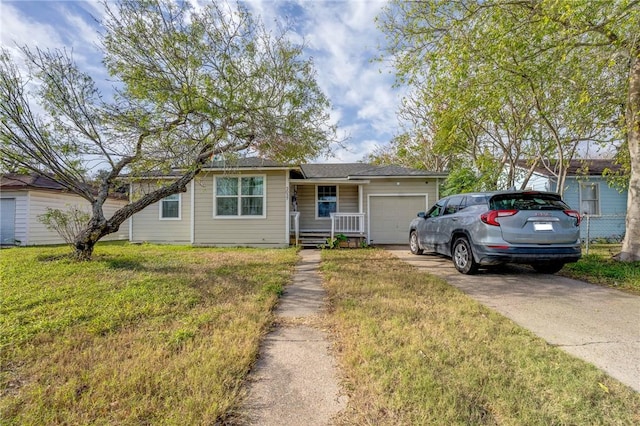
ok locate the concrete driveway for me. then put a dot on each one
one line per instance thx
(598, 324)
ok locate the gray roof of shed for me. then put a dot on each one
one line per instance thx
(23, 181)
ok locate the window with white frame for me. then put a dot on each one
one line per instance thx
(241, 196)
(589, 198)
(326, 200)
(170, 207)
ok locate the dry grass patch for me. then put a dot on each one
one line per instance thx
(414, 350)
(141, 335)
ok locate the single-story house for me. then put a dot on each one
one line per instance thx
(261, 203)
(602, 206)
(25, 197)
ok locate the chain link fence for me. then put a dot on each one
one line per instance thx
(603, 229)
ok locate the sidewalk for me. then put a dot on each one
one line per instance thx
(295, 379)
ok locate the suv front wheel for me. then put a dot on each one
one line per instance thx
(413, 243)
(463, 257)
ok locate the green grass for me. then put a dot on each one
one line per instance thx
(166, 335)
(414, 350)
(140, 335)
(599, 267)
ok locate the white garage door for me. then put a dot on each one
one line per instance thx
(390, 217)
(7, 221)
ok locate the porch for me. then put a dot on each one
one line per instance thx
(351, 225)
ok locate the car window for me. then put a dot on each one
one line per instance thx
(474, 200)
(436, 210)
(453, 205)
(527, 201)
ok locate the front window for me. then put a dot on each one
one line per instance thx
(327, 200)
(170, 207)
(240, 196)
(589, 199)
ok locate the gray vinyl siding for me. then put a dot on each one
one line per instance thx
(33, 203)
(268, 231)
(147, 226)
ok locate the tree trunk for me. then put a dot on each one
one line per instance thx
(97, 228)
(631, 243)
(83, 248)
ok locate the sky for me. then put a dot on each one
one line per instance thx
(340, 35)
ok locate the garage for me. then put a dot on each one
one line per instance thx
(7, 221)
(390, 216)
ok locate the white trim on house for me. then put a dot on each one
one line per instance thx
(327, 181)
(287, 208)
(239, 216)
(596, 185)
(131, 217)
(192, 200)
(315, 205)
(161, 204)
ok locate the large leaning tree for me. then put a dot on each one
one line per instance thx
(568, 69)
(188, 84)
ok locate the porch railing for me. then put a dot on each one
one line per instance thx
(352, 223)
(294, 225)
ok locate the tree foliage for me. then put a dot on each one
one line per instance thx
(532, 80)
(189, 84)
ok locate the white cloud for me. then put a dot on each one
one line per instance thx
(341, 36)
(19, 29)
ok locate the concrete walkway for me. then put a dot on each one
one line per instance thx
(295, 380)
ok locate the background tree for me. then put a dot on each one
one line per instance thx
(575, 62)
(189, 84)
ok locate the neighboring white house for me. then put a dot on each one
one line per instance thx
(261, 203)
(23, 198)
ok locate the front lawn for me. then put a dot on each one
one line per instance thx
(140, 335)
(166, 335)
(416, 351)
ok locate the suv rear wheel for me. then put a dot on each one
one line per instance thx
(413, 243)
(463, 257)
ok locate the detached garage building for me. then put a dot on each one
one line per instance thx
(25, 197)
(261, 203)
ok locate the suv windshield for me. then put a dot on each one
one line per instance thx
(527, 201)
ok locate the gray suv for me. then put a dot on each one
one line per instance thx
(491, 228)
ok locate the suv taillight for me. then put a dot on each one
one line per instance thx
(573, 214)
(490, 217)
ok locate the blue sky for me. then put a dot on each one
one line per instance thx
(341, 37)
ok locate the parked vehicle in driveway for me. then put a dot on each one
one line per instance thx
(492, 228)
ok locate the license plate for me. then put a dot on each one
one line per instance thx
(542, 226)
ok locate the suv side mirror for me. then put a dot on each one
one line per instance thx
(420, 214)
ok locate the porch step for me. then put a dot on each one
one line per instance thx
(311, 241)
